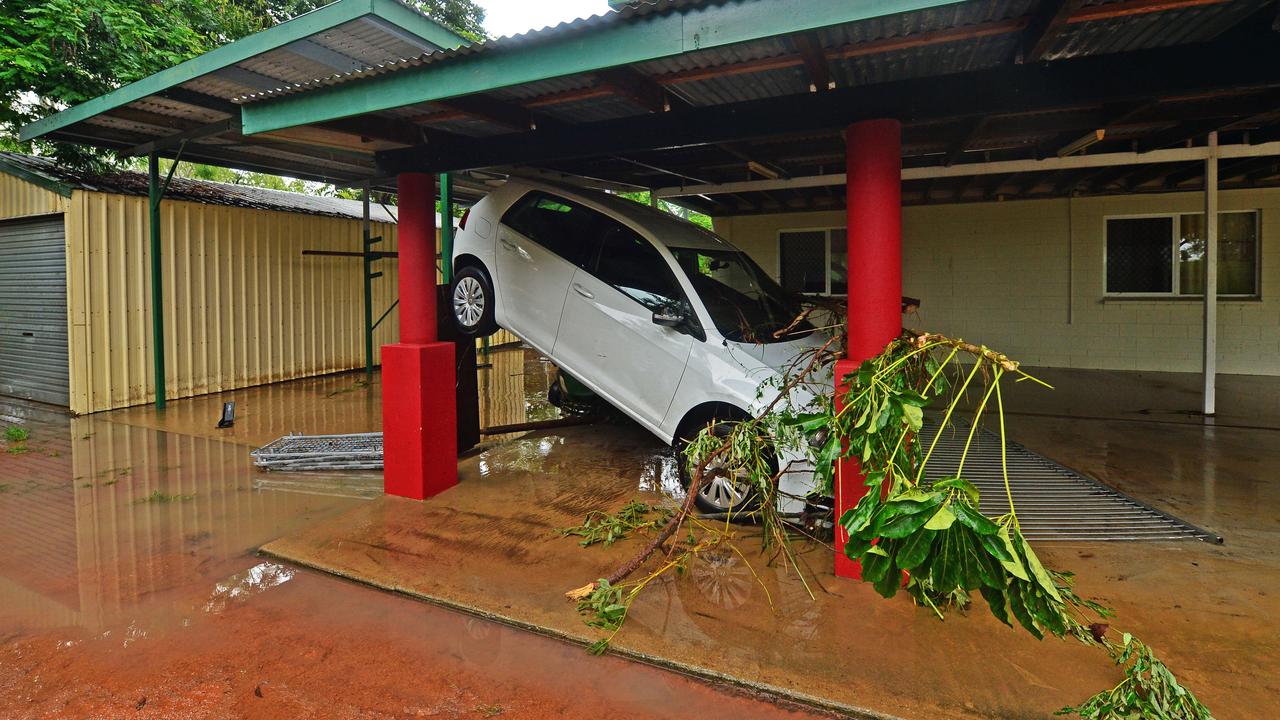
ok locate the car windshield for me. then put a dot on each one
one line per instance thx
(745, 304)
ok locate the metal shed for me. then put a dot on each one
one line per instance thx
(245, 305)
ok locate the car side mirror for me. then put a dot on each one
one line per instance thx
(669, 319)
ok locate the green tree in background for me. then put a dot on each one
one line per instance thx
(58, 53)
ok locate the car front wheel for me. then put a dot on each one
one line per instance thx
(723, 491)
(472, 300)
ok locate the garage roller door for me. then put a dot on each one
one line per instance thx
(33, 310)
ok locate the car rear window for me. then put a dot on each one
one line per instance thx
(561, 226)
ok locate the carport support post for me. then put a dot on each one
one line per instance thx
(446, 227)
(419, 413)
(1211, 276)
(873, 152)
(155, 192)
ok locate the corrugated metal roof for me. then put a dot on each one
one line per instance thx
(201, 191)
(502, 44)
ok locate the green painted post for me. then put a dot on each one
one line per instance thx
(446, 227)
(155, 192)
(368, 289)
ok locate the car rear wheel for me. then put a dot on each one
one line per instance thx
(472, 300)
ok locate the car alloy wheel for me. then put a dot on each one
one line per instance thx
(723, 491)
(468, 302)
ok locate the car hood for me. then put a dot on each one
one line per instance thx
(782, 357)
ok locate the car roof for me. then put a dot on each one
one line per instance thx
(668, 229)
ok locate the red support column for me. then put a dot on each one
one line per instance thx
(874, 192)
(419, 413)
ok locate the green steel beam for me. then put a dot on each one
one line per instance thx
(367, 266)
(643, 39)
(299, 28)
(155, 192)
(446, 227)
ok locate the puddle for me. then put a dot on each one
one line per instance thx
(129, 581)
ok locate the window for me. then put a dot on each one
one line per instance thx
(814, 261)
(1164, 254)
(561, 226)
(631, 264)
(745, 304)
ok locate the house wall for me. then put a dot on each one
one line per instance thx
(1027, 278)
(242, 305)
(19, 198)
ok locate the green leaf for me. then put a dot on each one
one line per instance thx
(875, 565)
(942, 519)
(926, 501)
(888, 585)
(995, 547)
(911, 397)
(996, 601)
(913, 416)
(974, 520)
(1014, 563)
(904, 525)
(1021, 612)
(1041, 575)
(944, 571)
(859, 517)
(956, 483)
(915, 549)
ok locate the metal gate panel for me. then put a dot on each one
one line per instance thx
(33, 310)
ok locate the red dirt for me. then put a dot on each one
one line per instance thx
(314, 647)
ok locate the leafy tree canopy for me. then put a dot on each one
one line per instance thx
(58, 53)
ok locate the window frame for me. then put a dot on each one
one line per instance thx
(1175, 237)
(826, 230)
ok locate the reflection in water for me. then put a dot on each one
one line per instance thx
(112, 517)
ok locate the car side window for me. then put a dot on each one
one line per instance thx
(561, 226)
(631, 264)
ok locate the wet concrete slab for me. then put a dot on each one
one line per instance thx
(490, 546)
(130, 585)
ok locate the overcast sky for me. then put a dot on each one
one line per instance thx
(508, 17)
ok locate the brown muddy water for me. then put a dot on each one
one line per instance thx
(130, 585)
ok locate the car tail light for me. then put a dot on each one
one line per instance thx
(462, 224)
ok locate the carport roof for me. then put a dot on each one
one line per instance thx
(47, 173)
(192, 100)
(692, 92)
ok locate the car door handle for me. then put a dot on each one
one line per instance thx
(583, 291)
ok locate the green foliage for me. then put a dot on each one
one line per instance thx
(160, 498)
(58, 53)
(16, 433)
(605, 528)
(933, 539)
(644, 197)
(1149, 690)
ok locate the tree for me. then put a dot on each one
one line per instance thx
(58, 53)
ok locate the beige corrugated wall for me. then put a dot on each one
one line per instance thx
(242, 305)
(19, 198)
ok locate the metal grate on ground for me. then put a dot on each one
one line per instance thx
(359, 451)
(1053, 502)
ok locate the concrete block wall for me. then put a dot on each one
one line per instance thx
(1027, 277)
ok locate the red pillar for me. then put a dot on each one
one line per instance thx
(419, 413)
(874, 193)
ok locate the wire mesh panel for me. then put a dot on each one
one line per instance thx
(359, 451)
(1053, 502)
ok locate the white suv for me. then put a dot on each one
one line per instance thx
(666, 321)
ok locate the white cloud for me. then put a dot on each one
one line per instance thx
(509, 17)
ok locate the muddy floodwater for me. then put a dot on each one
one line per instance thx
(130, 584)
